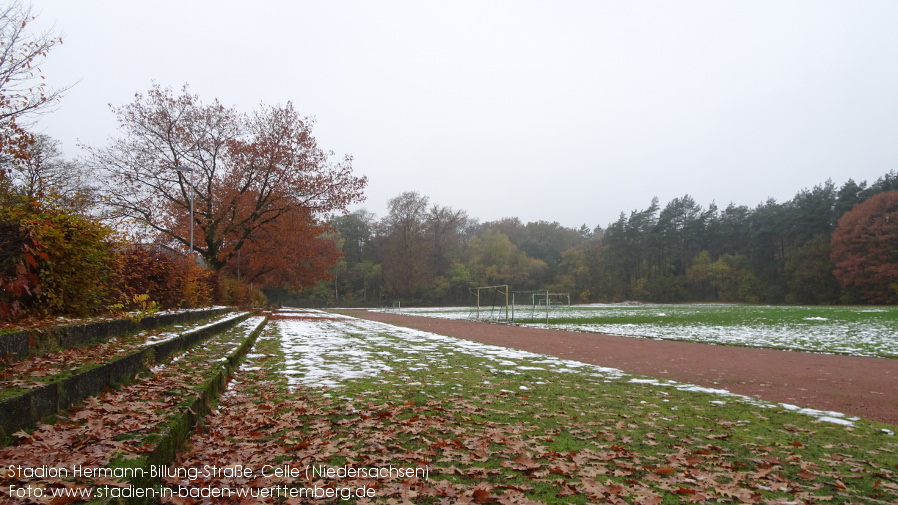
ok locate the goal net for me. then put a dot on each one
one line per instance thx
(490, 303)
(395, 306)
(550, 299)
(536, 304)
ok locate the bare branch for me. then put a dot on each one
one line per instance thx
(251, 174)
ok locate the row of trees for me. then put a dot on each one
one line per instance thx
(772, 253)
(793, 252)
(260, 203)
(192, 203)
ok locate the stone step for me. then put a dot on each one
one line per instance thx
(24, 343)
(89, 373)
(133, 430)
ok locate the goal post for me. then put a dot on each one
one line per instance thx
(494, 302)
(537, 303)
(555, 299)
(499, 300)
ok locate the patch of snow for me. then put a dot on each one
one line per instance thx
(839, 330)
(329, 352)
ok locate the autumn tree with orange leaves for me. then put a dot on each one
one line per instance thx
(865, 249)
(261, 184)
(292, 252)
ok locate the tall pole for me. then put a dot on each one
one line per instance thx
(478, 304)
(181, 170)
(192, 198)
(506, 304)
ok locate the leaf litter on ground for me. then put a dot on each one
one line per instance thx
(37, 370)
(497, 425)
(116, 426)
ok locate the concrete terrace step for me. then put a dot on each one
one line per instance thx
(21, 344)
(132, 430)
(88, 371)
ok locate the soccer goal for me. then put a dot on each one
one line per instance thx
(536, 304)
(550, 299)
(491, 303)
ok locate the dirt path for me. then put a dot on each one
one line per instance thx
(865, 387)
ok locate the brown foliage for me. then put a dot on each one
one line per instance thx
(15, 143)
(290, 252)
(170, 279)
(865, 249)
(227, 290)
(19, 282)
(139, 270)
(175, 281)
(53, 263)
(255, 179)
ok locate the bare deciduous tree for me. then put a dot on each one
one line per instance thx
(248, 171)
(23, 91)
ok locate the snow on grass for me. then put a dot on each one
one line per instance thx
(251, 323)
(178, 330)
(856, 331)
(329, 352)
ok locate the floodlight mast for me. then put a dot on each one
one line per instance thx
(181, 170)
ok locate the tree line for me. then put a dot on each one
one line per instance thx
(195, 202)
(425, 253)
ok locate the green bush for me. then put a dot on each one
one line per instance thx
(64, 257)
(57, 263)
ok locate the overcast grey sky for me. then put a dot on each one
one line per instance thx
(568, 111)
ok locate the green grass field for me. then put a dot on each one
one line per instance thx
(856, 330)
